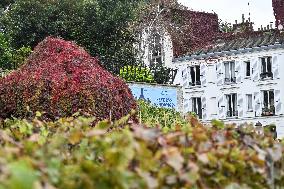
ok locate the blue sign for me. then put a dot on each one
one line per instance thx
(161, 97)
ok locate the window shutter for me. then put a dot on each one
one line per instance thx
(255, 69)
(238, 71)
(185, 77)
(220, 73)
(186, 105)
(275, 67)
(240, 105)
(203, 74)
(222, 107)
(204, 108)
(257, 101)
(278, 105)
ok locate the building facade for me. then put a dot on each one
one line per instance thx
(173, 32)
(237, 77)
(240, 81)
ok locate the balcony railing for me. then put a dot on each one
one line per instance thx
(196, 83)
(268, 111)
(232, 113)
(231, 80)
(265, 75)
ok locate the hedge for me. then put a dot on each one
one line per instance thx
(68, 153)
(59, 79)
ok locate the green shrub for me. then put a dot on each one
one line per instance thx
(70, 154)
(157, 116)
(136, 73)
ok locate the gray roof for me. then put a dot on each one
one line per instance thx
(238, 44)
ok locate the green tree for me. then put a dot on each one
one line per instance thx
(101, 26)
(6, 3)
(6, 53)
(11, 58)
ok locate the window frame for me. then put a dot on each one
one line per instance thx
(266, 67)
(248, 70)
(268, 102)
(230, 71)
(197, 77)
(197, 106)
(232, 105)
(249, 102)
(156, 50)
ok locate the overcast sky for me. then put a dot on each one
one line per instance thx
(231, 10)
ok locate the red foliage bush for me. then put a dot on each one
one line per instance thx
(60, 78)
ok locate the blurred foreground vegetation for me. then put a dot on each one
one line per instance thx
(73, 153)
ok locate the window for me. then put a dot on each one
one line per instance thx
(266, 68)
(230, 72)
(196, 106)
(248, 70)
(232, 105)
(249, 102)
(195, 75)
(156, 51)
(268, 103)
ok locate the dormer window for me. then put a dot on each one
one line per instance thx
(266, 68)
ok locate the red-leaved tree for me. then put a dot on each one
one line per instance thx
(60, 78)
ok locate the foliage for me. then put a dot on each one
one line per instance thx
(100, 26)
(70, 154)
(162, 73)
(136, 73)
(4, 73)
(6, 3)
(20, 55)
(9, 57)
(59, 78)
(189, 30)
(153, 116)
(225, 26)
(6, 52)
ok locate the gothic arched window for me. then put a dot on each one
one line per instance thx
(156, 53)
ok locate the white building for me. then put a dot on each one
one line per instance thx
(156, 47)
(237, 81)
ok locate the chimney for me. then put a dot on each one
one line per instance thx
(243, 18)
(271, 25)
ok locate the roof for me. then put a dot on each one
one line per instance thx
(241, 42)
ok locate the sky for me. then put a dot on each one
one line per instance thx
(231, 10)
